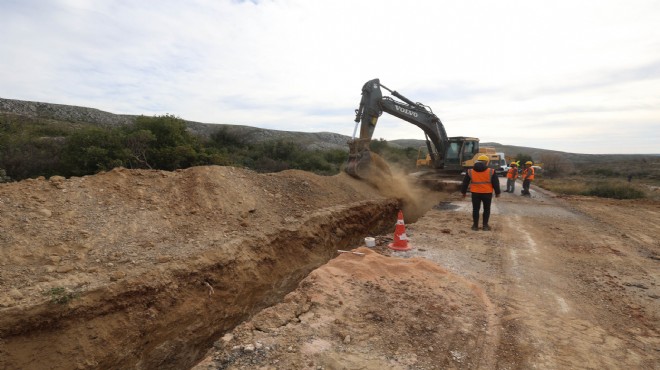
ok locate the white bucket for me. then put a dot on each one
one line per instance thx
(370, 242)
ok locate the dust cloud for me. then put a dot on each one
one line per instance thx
(392, 181)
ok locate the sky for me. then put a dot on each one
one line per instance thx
(574, 76)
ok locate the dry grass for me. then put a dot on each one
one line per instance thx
(599, 187)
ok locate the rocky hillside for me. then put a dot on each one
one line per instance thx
(59, 112)
(75, 114)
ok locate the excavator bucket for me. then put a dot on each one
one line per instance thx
(364, 164)
(359, 164)
(359, 158)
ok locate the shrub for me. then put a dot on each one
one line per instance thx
(606, 172)
(602, 189)
(60, 295)
(3, 176)
(616, 191)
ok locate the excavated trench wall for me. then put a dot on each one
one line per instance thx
(169, 318)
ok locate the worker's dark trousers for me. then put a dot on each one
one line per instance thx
(477, 199)
(526, 184)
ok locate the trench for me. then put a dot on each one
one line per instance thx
(169, 319)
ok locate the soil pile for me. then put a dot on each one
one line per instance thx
(146, 268)
(365, 312)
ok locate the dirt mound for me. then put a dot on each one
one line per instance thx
(145, 269)
(355, 313)
(83, 231)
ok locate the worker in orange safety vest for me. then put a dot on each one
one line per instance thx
(511, 176)
(528, 177)
(482, 182)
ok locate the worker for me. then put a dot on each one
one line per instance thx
(482, 182)
(528, 177)
(511, 176)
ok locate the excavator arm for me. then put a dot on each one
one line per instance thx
(446, 153)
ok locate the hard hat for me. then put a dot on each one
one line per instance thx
(483, 158)
(514, 164)
(529, 162)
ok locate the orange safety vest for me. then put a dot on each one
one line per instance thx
(480, 181)
(528, 173)
(512, 173)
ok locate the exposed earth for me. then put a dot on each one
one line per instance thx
(224, 268)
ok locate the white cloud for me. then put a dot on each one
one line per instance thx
(546, 74)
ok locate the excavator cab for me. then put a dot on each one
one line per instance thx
(460, 149)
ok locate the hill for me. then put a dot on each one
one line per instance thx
(70, 114)
(75, 114)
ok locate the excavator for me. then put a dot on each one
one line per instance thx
(447, 154)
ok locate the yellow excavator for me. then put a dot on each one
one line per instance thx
(446, 155)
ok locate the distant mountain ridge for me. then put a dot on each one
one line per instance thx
(77, 114)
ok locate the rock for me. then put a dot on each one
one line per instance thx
(64, 269)
(15, 294)
(45, 212)
(7, 302)
(116, 275)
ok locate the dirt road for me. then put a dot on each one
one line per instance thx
(574, 287)
(559, 283)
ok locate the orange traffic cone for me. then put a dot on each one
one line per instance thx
(400, 237)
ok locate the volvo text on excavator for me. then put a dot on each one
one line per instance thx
(447, 154)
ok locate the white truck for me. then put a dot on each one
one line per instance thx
(502, 167)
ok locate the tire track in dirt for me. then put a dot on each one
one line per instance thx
(561, 327)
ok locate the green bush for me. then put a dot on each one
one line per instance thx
(61, 295)
(224, 139)
(93, 149)
(37, 147)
